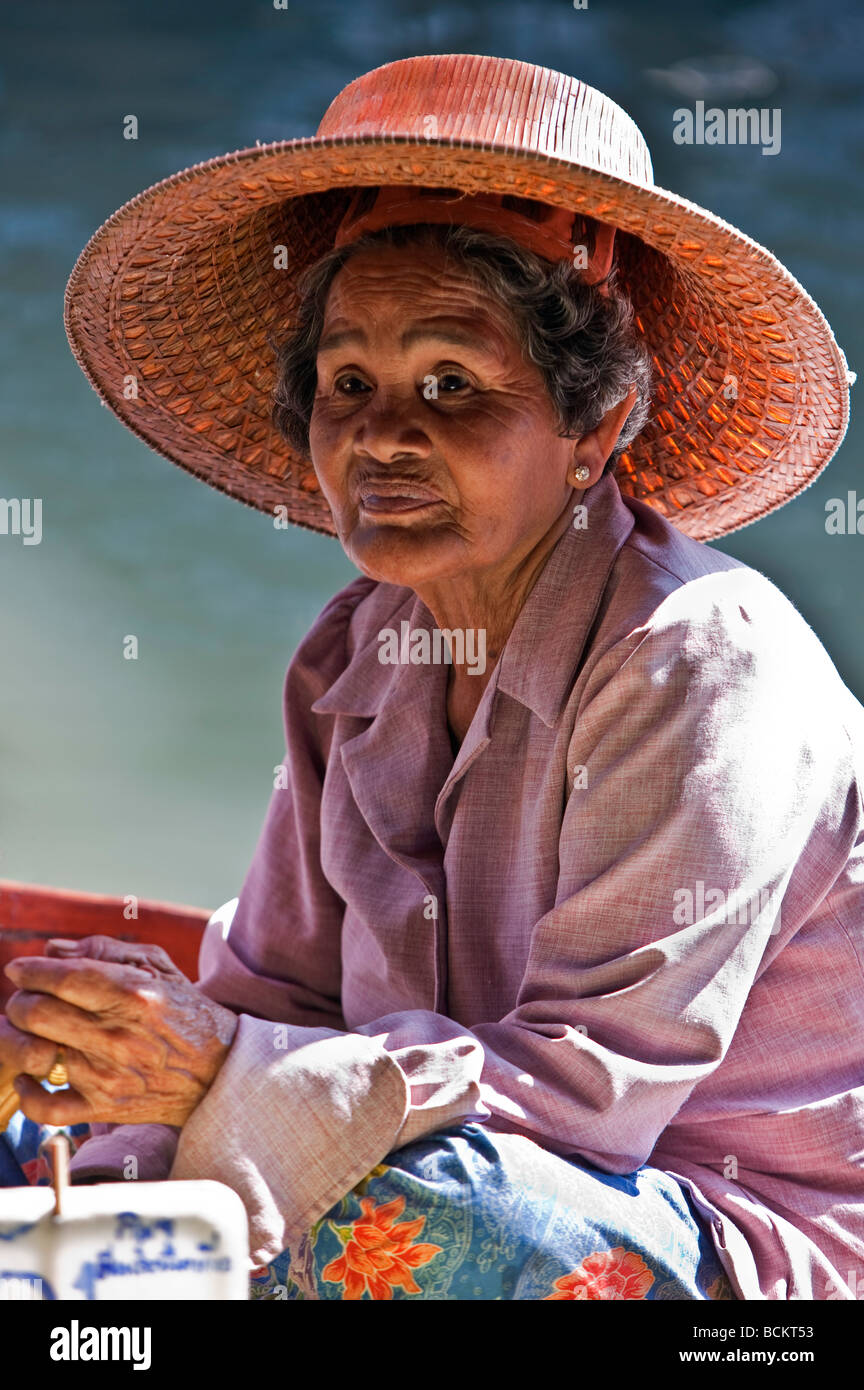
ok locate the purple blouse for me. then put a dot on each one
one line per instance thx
(627, 921)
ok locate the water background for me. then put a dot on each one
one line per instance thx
(152, 776)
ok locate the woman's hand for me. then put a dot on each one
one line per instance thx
(141, 1043)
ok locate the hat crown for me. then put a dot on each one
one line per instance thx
(470, 97)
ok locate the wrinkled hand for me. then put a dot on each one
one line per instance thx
(141, 1043)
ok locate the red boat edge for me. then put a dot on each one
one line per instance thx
(30, 915)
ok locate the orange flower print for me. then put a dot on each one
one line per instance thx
(379, 1256)
(617, 1273)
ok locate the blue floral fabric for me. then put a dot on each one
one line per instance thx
(467, 1214)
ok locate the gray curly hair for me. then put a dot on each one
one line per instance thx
(583, 342)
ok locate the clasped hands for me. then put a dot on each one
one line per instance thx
(141, 1043)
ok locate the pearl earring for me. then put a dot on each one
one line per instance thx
(582, 473)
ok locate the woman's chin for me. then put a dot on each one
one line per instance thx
(402, 554)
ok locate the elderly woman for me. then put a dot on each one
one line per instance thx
(545, 981)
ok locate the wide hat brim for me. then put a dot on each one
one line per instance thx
(172, 306)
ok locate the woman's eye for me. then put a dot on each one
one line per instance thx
(344, 382)
(450, 382)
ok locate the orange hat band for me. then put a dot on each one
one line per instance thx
(553, 233)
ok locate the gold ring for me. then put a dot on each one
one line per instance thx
(58, 1075)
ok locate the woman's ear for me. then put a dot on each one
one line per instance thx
(593, 449)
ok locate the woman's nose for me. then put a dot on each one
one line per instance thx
(390, 425)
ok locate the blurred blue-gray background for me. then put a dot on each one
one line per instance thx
(152, 776)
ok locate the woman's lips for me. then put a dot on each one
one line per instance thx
(398, 501)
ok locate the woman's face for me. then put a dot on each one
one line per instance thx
(422, 384)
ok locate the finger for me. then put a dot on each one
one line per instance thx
(89, 1075)
(48, 1017)
(66, 1107)
(103, 1096)
(23, 1052)
(93, 947)
(98, 986)
(146, 957)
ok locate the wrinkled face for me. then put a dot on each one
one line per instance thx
(435, 443)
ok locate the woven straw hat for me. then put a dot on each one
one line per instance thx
(176, 296)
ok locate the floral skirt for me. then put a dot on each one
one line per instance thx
(469, 1214)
